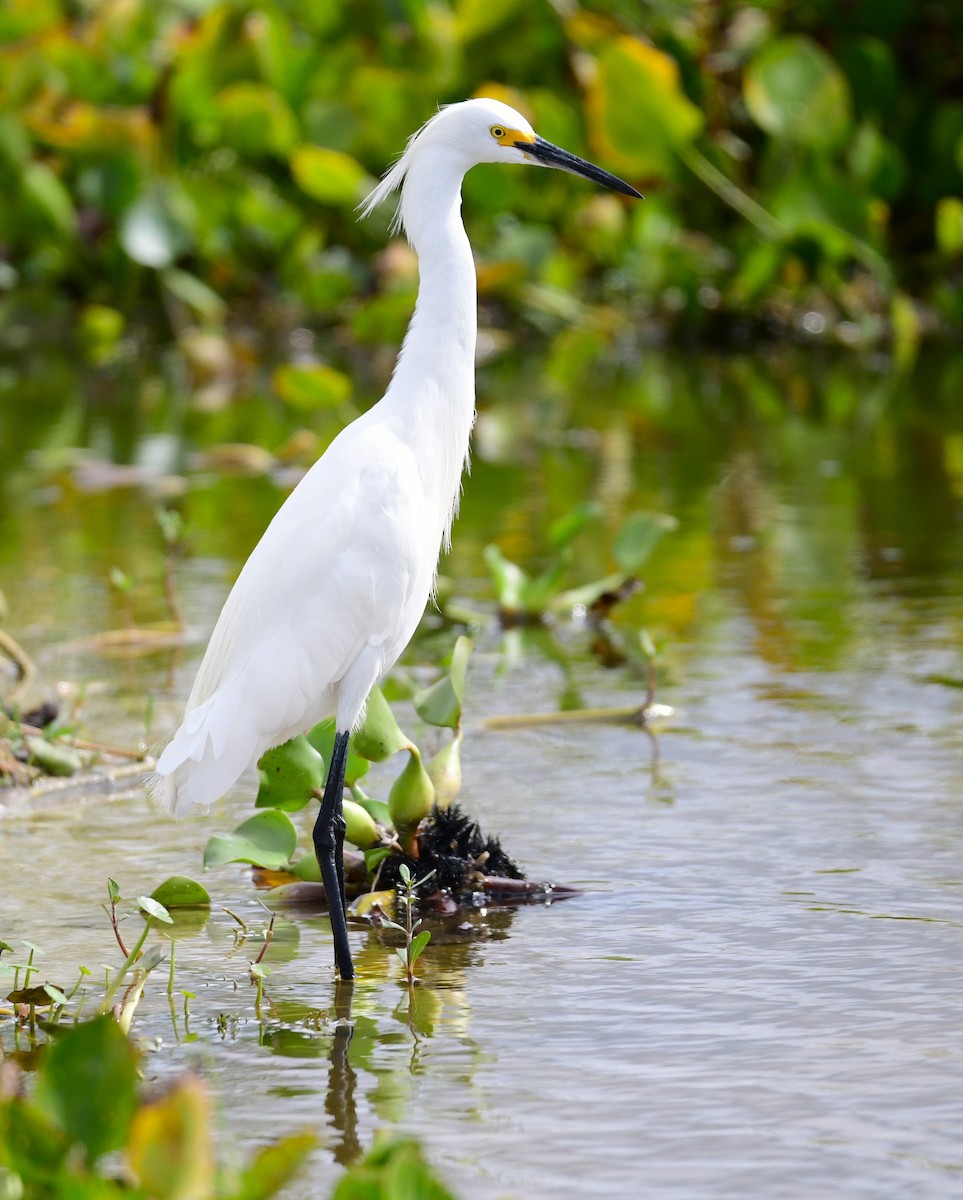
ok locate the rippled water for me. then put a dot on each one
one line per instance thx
(758, 993)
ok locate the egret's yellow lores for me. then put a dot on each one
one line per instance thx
(334, 590)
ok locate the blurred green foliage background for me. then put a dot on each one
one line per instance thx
(802, 163)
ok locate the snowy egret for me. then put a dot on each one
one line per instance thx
(334, 590)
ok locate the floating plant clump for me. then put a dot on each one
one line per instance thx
(465, 862)
(418, 830)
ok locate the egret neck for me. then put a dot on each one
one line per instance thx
(433, 385)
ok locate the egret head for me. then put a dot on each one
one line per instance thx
(481, 131)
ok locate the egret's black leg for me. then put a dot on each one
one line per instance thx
(328, 843)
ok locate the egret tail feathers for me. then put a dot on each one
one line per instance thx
(207, 755)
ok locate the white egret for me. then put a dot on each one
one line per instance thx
(334, 590)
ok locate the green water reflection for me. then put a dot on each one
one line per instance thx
(800, 482)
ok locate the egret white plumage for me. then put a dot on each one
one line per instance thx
(334, 590)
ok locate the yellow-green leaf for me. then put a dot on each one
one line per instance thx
(309, 386)
(330, 176)
(639, 114)
(170, 1148)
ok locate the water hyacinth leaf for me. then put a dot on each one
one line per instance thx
(195, 294)
(330, 176)
(254, 119)
(169, 1149)
(794, 90)
(638, 536)
(411, 797)
(307, 387)
(509, 578)
(54, 758)
(441, 703)
(360, 829)
(566, 529)
(321, 738)
(379, 737)
(586, 594)
(154, 909)
(377, 809)
(394, 1168)
(268, 839)
(444, 771)
(537, 593)
(272, 1166)
(307, 869)
(49, 197)
(640, 116)
(181, 892)
(289, 775)
(949, 225)
(474, 18)
(88, 1085)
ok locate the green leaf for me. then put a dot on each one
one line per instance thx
(273, 1166)
(949, 225)
(113, 890)
(49, 197)
(321, 738)
(330, 176)
(418, 944)
(638, 536)
(509, 578)
(54, 758)
(375, 856)
(88, 1085)
(393, 1169)
(566, 529)
(268, 839)
(374, 808)
(306, 868)
(154, 909)
(380, 736)
(640, 116)
(795, 91)
(307, 387)
(289, 775)
(254, 119)
(180, 892)
(194, 293)
(441, 703)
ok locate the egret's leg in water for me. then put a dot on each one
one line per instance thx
(328, 846)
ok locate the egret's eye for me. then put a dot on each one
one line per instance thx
(497, 131)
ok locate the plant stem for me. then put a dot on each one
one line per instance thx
(731, 194)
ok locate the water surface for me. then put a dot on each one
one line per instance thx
(757, 995)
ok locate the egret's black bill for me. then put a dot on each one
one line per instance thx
(555, 156)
